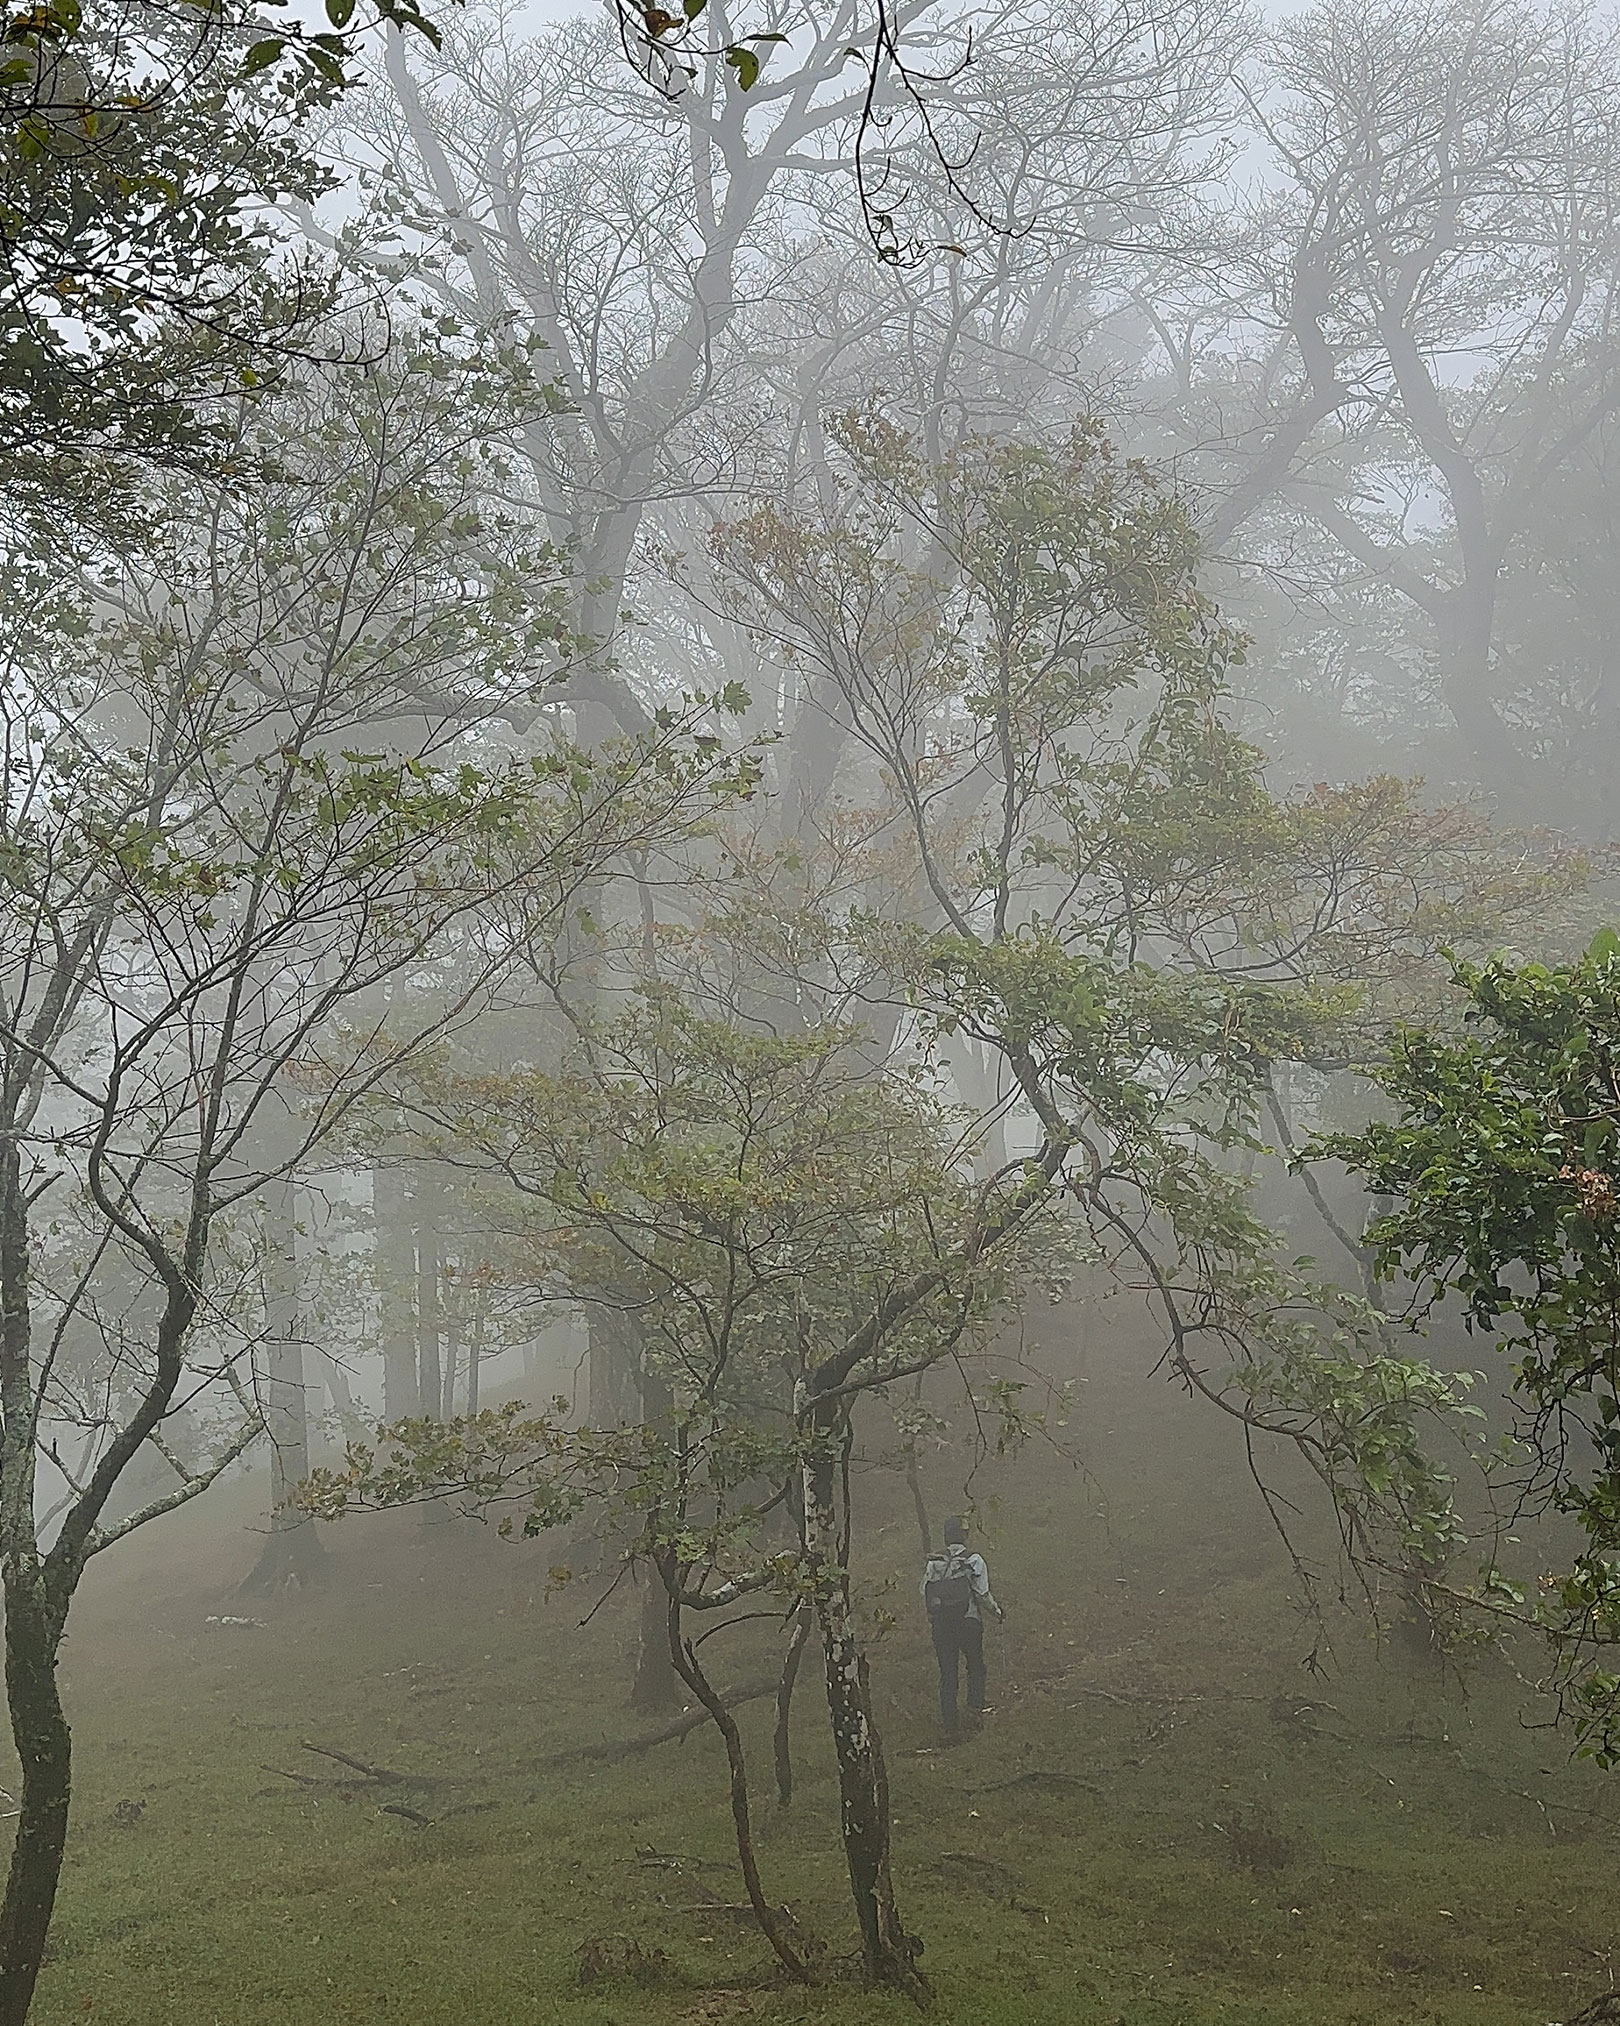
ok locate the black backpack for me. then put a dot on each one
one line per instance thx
(949, 1594)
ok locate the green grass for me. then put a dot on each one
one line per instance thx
(1440, 1862)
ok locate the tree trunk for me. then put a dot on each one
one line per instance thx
(610, 1373)
(395, 1268)
(783, 1741)
(293, 1554)
(914, 1484)
(683, 1656)
(919, 1504)
(889, 1953)
(1467, 627)
(44, 1745)
(475, 1353)
(33, 1631)
(452, 1364)
(656, 1687)
(429, 1379)
(356, 1426)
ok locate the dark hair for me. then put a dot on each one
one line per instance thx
(954, 1536)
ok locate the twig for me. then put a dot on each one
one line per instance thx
(380, 1774)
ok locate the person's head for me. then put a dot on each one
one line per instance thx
(954, 1536)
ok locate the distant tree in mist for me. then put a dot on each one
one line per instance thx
(1404, 341)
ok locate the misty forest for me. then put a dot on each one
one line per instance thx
(810, 1012)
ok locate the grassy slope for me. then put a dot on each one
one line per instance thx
(1439, 1867)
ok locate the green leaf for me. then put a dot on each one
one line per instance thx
(746, 64)
(339, 12)
(263, 54)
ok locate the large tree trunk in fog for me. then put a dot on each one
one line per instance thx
(611, 1373)
(475, 1353)
(451, 1339)
(1466, 623)
(429, 1376)
(889, 1953)
(356, 1426)
(293, 1554)
(978, 1079)
(656, 1687)
(396, 1269)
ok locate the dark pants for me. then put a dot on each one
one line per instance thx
(956, 1640)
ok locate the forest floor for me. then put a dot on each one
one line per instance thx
(1166, 1821)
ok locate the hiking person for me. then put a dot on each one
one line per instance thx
(956, 1589)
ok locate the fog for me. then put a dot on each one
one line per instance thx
(809, 1013)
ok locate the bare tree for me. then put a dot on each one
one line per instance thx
(1409, 335)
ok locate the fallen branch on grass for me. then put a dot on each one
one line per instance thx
(369, 1775)
(380, 1774)
(611, 1751)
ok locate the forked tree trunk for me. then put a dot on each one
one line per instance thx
(773, 1921)
(889, 1953)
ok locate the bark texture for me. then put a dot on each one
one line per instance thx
(889, 1954)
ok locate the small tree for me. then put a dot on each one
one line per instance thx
(1098, 895)
(208, 887)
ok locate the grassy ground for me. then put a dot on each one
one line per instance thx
(1166, 1821)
